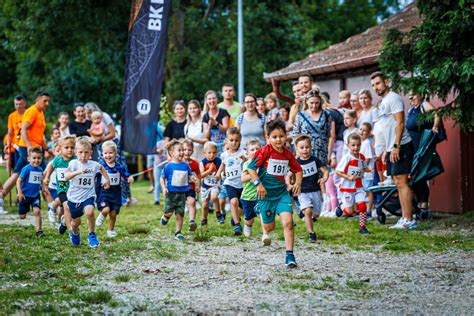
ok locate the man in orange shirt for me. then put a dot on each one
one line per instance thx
(32, 135)
(14, 128)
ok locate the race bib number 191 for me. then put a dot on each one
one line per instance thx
(277, 167)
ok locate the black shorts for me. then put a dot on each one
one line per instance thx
(191, 193)
(28, 203)
(403, 166)
(62, 197)
(233, 193)
(111, 205)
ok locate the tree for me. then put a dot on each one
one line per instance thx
(436, 57)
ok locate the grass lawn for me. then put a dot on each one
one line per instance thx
(39, 275)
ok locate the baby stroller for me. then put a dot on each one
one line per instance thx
(426, 165)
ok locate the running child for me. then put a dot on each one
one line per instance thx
(210, 182)
(28, 186)
(60, 164)
(81, 194)
(350, 169)
(175, 183)
(367, 149)
(53, 202)
(310, 198)
(267, 170)
(249, 192)
(350, 121)
(231, 166)
(194, 187)
(109, 200)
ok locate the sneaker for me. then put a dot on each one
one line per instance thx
(51, 215)
(399, 224)
(203, 222)
(40, 234)
(247, 230)
(409, 224)
(290, 260)
(111, 233)
(211, 211)
(179, 236)
(61, 228)
(312, 237)
(301, 214)
(192, 225)
(338, 212)
(75, 239)
(237, 230)
(133, 201)
(164, 220)
(220, 218)
(99, 220)
(157, 202)
(232, 222)
(364, 231)
(93, 241)
(266, 241)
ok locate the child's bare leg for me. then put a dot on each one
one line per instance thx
(215, 201)
(67, 216)
(249, 222)
(22, 216)
(192, 207)
(205, 208)
(266, 228)
(55, 204)
(179, 222)
(308, 219)
(37, 213)
(370, 204)
(221, 204)
(75, 223)
(349, 211)
(112, 219)
(89, 211)
(287, 223)
(47, 196)
(234, 210)
(105, 211)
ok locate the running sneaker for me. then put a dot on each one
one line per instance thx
(111, 233)
(266, 241)
(61, 227)
(179, 236)
(399, 224)
(232, 222)
(220, 218)
(75, 239)
(247, 230)
(51, 215)
(164, 220)
(192, 225)
(312, 237)
(237, 230)
(301, 214)
(99, 220)
(409, 224)
(40, 234)
(203, 222)
(364, 231)
(290, 260)
(157, 202)
(338, 212)
(93, 241)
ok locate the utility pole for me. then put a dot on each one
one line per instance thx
(240, 50)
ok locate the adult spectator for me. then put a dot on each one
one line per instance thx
(232, 107)
(306, 83)
(194, 129)
(14, 128)
(355, 105)
(250, 123)
(399, 149)
(109, 132)
(316, 122)
(415, 128)
(175, 128)
(261, 106)
(284, 110)
(369, 113)
(215, 119)
(32, 135)
(344, 100)
(80, 125)
(63, 124)
(297, 105)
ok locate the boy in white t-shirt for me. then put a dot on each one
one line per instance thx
(367, 149)
(81, 194)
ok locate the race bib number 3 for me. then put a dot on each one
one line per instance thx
(61, 174)
(35, 177)
(179, 178)
(309, 169)
(114, 178)
(277, 167)
(85, 182)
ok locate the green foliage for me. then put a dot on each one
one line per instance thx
(436, 57)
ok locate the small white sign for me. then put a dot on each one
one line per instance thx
(144, 107)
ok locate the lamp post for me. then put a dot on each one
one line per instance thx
(240, 50)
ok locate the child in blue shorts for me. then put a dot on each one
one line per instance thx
(109, 200)
(28, 186)
(81, 193)
(268, 169)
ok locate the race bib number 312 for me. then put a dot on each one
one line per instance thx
(277, 167)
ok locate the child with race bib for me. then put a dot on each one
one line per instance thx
(81, 194)
(194, 187)
(268, 169)
(60, 164)
(53, 193)
(109, 200)
(231, 166)
(175, 183)
(28, 186)
(310, 198)
(351, 169)
(210, 183)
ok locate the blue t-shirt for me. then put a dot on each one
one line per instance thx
(310, 174)
(31, 180)
(177, 175)
(116, 173)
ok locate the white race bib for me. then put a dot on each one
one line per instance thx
(179, 178)
(61, 174)
(309, 169)
(114, 178)
(210, 181)
(85, 181)
(35, 177)
(233, 173)
(354, 171)
(277, 167)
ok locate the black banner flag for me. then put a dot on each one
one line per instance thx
(144, 74)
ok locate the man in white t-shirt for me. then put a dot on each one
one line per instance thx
(399, 149)
(234, 108)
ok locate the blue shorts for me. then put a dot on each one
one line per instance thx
(77, 209)
(28, 203)
(191, 193)
(270, 208)
(222, 193)
(233, 193)
(111, 205)
(249, 209)
(54, 193)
